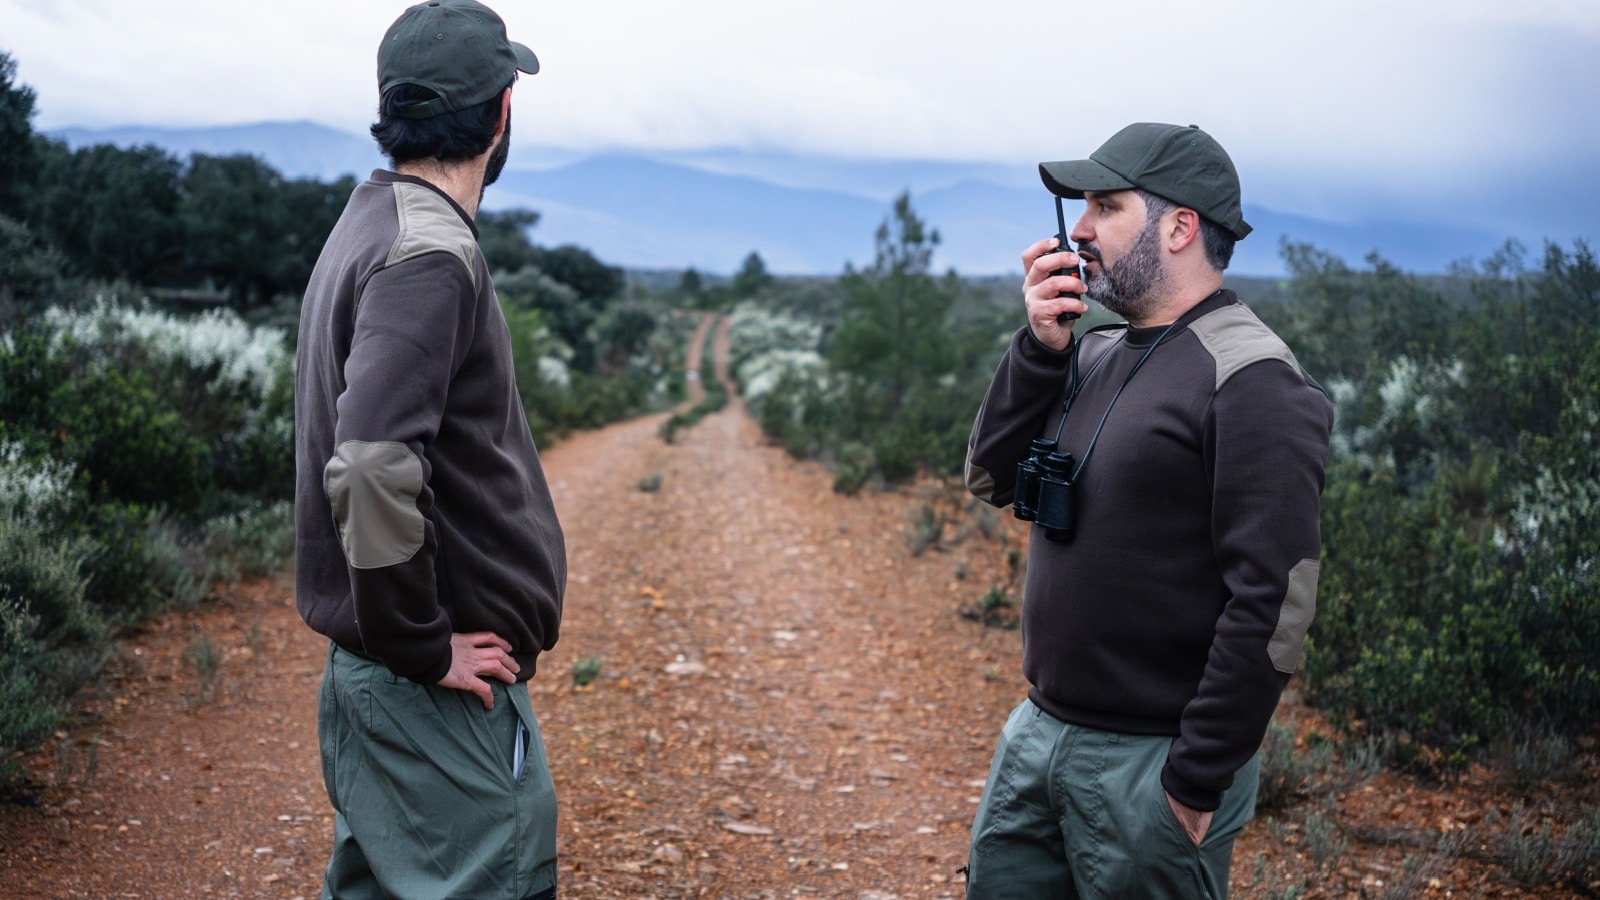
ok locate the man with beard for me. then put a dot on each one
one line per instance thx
(1162, 621)
(427, 545)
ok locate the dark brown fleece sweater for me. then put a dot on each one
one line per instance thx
(1181, 604)
(420, 505)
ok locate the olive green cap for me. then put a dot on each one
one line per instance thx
(455, 48)
(1182, 164)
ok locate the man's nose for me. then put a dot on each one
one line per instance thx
(1081, 231)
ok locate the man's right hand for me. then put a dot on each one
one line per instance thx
(476, 656)
(1042, 289)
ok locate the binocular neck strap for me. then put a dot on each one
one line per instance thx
(1078, 386)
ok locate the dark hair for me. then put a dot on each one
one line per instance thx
(448, 137)
(1217, 241)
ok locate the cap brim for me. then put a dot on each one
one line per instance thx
(1070, 178)
(526, 61)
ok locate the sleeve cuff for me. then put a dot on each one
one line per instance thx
(1193, 797)
(434, 673)
(1038, 355)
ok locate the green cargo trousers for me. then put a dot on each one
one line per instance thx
(425, 800)
(1072, 812)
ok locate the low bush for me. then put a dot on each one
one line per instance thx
(52, 640)
(1537, 855)
(254, 540)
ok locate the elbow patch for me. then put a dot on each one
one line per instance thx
(1294, 619)
(373, 489)
(979, 482)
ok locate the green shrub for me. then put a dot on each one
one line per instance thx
(51, 639)
(254, 459)
(925, 528)
(1286, 775)
(586, 670)
(142, 457)
(1414, 634)
(29, 269)
(850, 479)
(1537, 856)
(255, 540)
(202, 655)
(799, 412)
(138, 563)
(129, 445)
(46, 582)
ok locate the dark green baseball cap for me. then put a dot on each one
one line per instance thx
(1180, 163)
(455, 48)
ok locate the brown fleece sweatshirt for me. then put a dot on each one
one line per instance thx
(420, 505)
(1181, 603)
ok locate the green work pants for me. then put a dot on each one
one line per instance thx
(421, 778)
(1072, 812)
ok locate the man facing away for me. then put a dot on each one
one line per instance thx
(1160, 628)
(428, 549)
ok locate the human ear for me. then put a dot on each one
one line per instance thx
(505, 111)
(1183, 229)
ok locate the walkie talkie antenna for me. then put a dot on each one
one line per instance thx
(1061, 235)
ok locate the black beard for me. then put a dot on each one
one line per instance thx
(497, 157)
(1125, 287)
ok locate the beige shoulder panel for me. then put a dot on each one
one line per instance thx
(1236, 339)
(429, 224)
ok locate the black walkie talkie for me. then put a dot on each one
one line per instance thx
(1061, 234)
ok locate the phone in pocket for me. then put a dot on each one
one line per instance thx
(519, 751)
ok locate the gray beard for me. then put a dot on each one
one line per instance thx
(1126, 287)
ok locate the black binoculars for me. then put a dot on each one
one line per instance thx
(1044, 494)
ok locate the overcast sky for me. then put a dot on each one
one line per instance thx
(1341, 110)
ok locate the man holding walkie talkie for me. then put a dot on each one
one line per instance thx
(1173, 468)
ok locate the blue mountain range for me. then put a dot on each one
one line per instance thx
(804, 215)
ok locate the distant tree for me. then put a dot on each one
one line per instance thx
(503, 237)
(310, 210)
(252, 232)
(577, 268)
(623, 330)
(752, 277)
(690, 284)
(18, 165)
(892, 331)
(27, 269)
(234, 222)
(112, 213)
